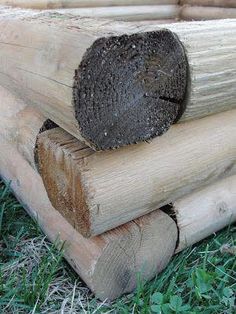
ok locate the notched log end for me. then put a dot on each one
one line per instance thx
(130, 88)
(61, 176)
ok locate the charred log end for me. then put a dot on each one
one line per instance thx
(130, 88)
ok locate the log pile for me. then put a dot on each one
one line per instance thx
(76, 94)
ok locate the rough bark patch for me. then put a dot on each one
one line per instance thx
(130, 88)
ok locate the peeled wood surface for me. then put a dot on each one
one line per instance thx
(109, 264)
(43, 61)
(206, 211)
(210, 49)
(42, 73)
(216, 3)
(99, 191)
(128, 13)
(20, 124)
(206, 13)
(53, 4)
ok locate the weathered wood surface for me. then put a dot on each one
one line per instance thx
(109, 263)
(54, 4)
(206, 13)
(214, 3)
(206, 211)
(127, 13)
(97, 191)
(43, 61)
(20, 124)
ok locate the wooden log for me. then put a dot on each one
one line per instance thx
(206, 13)
(20, 124)
(214, 3)
(54, 4)
(127, 13)
(137, 96)
(206, 211)
(109, 264)
(99, 191)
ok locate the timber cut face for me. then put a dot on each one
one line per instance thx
(130, 88)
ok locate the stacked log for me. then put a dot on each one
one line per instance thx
(74, 89)
(131, 10)
(207, 9)
(108, 263)
(40, 72)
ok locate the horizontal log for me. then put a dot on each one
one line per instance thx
(97, 191)
(54, 4)
(214, 3)
(206, 13)
(130, 13)
(109, 264)
(45, 52)
(21, 125)
(206, 211)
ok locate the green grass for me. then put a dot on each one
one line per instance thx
(34, 278)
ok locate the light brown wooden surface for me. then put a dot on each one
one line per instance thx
(206, 13)
(20, 124)
(49, 4)
(205, 211)
(214, 3)
(109, 263)
(128, 13)
(43, 61)
(99, 191)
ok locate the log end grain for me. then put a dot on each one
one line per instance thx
(59, 169)
(135, 253)
(130, 88)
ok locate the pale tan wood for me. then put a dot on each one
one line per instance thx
(43, 60)
(99, 191)
(49, 4)
(20, 124)
(214, 3)
(127, 13)
(109, 264)
(206, 211)
(206, 13)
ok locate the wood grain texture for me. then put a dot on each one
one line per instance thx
(206, 13)
(20, 124)
(54, 4)
(109, 263)
(206, 211)
(99, 191)
(210, 49)
(43, 63)
(127, 13)
(214, 3)
(45, 77)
